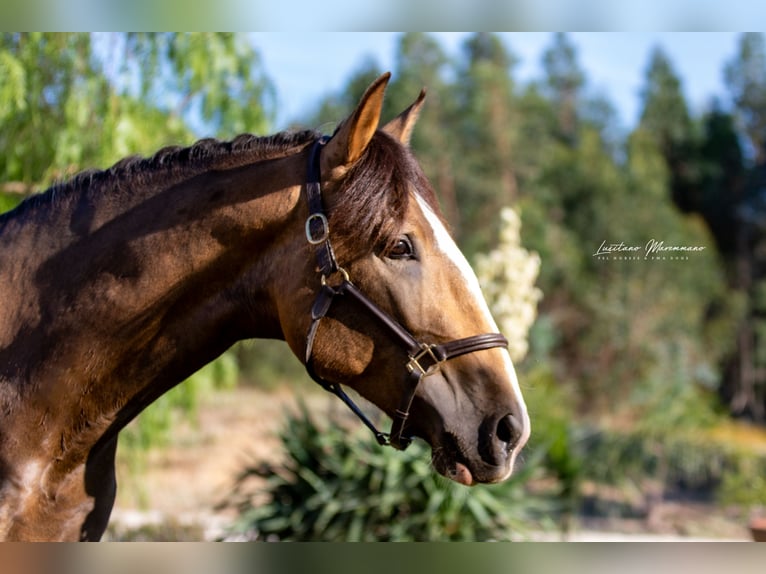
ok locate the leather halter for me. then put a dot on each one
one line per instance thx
(424, 358)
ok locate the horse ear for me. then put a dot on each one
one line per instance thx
(354, 134)
(401, 126)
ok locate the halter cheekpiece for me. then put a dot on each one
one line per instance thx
(424, 359)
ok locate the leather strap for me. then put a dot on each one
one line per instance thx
(317, 225)
(424, 358)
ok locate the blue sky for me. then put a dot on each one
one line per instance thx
(304, 67)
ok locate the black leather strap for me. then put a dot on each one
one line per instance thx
(317, 226)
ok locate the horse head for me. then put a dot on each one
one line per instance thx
(387, 304)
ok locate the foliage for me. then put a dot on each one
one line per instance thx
(745, 76)
(488, 181)
(269, 364)
(215, 78)
(685, 461)
(564, 79)
(72, 117)
(340, 486)
(8, 202)
(152, 428)
(551, 407)
(744, 483)
(665, 113)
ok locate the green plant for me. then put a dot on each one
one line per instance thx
(556, 438)
(8, 202)
(729, 473)
(336, 486)
(745, 483)
(152, 428)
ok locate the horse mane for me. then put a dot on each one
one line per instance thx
(371, 201)
(169, 166)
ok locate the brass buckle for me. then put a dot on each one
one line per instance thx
(414, 362)
(343, 273)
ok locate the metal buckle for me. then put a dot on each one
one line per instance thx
(414, 362)
(325, 229)
(343, 273)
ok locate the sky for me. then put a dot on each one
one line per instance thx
(306, 67)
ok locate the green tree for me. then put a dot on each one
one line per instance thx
(564, 80)
(633, 329)
(80, 100)
(745, 77)
(665, 115)
(212, 77)
(488, 128)
(743, 219)
(61, 114)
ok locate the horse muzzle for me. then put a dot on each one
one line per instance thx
(477, 451)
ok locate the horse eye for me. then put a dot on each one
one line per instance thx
(402, 249)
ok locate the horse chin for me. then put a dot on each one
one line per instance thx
(450, 461)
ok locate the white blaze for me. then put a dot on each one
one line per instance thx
(449, 248)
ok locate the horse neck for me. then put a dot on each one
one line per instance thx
(124, 303)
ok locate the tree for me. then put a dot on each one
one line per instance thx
(639, 328)
(81, 100)
(488, 128)
(564, 80)
(61, 114)
(745, 77)
(212, 78)
(738, 214)
(722, 177)
(665, 115)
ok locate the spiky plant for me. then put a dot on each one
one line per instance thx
(340, 486)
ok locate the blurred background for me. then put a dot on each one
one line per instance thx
(644, 371)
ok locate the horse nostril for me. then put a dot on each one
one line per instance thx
(508, 431)
(498, 437)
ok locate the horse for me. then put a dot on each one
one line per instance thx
(119, 284)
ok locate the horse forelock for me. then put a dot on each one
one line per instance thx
(371, 204)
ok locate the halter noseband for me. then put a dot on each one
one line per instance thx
(424, 358)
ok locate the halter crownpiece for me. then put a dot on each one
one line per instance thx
(424, 358)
